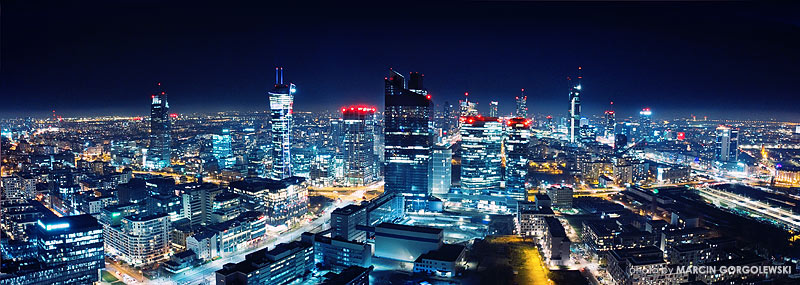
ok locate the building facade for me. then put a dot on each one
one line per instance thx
(516, 149)
(407, 137)
(358, 145)
(481, 157)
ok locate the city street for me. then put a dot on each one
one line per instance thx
(204, 274)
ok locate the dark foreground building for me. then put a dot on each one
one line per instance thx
(69, 251)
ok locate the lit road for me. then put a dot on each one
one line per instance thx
(114, 268)
(205, 274)
(783, 216)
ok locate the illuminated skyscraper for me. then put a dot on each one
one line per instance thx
(611, 121)
(481, 162)
(158, 155)
(727, 144)
(441, 169)
(574, 115)
(407, 136)
(522, 105)
(358, 145)
(516, 149)
(222, 149)
(281, 100)
(645, 124)
(493, 109)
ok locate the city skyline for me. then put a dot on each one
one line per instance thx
(551, 143)
(741, 52)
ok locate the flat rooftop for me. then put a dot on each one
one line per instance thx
(448, 252)
(418, 229)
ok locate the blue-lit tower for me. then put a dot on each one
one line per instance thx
(281, 100)
(158, 155)
(222, 150)
(645, 124)
(407, 136)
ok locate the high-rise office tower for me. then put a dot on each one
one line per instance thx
(481, 161)
(407, 137)
(522, 105)
(574, 115)
(158, 155)
(221, 149)
(727, 144)
(441, 169)
(516, 148)
(281, 100)
(645, 124)
(358, 145)
(611, 120)
(493, 109)
(449, 119)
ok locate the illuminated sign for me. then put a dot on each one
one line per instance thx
(681, 136)
(53, 226)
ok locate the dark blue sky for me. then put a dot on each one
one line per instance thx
(720, 59)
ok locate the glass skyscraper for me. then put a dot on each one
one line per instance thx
(522, 105)
(481, 161)
(407, 136)
(516, 149)
(158, 155)
(358, 145)
(574, 115)
(645, 124)
(441, 169)
(281, 100)
(726, 148)
(493, 109)
(610, 123)
(222, 149)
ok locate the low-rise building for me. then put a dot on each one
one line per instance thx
(405, 243)
(284, 264)
(336, 254)
(640, 266)
(443, 262)
(555, 243)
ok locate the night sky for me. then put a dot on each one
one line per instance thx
(722, 59)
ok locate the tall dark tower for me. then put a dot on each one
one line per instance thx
(407, 137)
(611, 120)
(575, 108)
(522, 105)
(159, 154)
